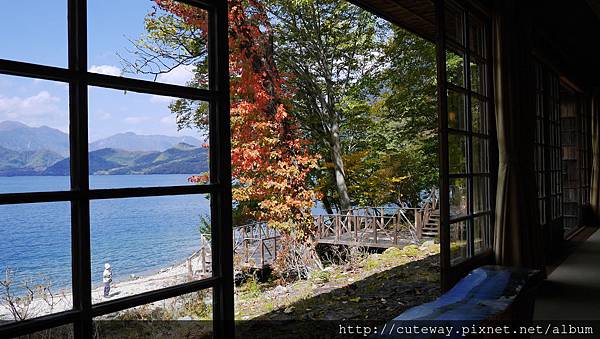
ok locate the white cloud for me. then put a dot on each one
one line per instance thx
(41, 104)
(136, 120)
(158, 99)
(180, 75)
(106, 69)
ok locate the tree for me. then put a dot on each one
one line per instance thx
(330, 49)
(271, 162)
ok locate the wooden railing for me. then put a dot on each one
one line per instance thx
(256, 244)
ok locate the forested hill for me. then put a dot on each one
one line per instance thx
(181, 159)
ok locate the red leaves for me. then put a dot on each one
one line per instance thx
(270, 160)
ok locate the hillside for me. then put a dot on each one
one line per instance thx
(147, 143)
(14, 163)
(22, 138)
(181, 159)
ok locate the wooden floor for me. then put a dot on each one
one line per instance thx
(572, 290)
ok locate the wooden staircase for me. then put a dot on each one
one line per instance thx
(431, 226)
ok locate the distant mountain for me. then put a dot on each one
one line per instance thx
(20, 137)
(26, 163)
(181, 159)
(135, 142)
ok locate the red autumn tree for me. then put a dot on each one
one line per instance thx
(271, 162)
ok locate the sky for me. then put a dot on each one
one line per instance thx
(35, 31)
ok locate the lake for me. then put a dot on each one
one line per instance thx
(136, 235)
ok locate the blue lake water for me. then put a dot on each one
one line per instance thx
(136, 235)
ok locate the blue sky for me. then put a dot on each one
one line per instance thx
(36, 31)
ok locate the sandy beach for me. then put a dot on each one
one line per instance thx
(165, 277)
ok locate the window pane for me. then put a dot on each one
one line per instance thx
(481, 194)
(458, 242)
(454, 24)
(150, 243)
(34, 31)
(136, 140)
(455, 68)
(482, 233)
(477, 36)
(34, 127)
(478, 77)
(479, 116)
(160, 319)
(35, 260)
(143, 40)
(62, 332)
(458, 197)
(457, 117)
(480, 155)
(457, 153)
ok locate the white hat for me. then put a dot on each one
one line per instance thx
(106, 266)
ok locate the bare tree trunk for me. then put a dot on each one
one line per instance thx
(338, 167)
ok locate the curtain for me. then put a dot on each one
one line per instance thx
(517, 233)
(595, 170)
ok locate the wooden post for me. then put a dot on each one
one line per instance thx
(262, 254)
(189, 269)
(396, 224)
(337, 227)
(203, 258)
(356, 225)
(418, 223)
(375, 231)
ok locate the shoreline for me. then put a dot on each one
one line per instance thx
(171, 275)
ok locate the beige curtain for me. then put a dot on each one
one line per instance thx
(595, 183)
(517, 236)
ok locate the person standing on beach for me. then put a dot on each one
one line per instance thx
(107, 279)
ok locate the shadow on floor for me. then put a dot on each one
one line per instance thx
(375, 299)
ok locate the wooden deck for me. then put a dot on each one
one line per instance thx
(256, 245)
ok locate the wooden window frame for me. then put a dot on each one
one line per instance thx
(79, 80)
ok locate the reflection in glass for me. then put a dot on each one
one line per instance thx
(457, 117)
(458, 242)
(480, 194)
(477, 78)
(458, 197)
(455, 68)
(479, 116)
(480, 155)
(457, 153)
(482, 233)
(454, 24)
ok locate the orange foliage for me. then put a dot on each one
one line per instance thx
(270, 160)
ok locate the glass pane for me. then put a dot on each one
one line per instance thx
(458, 242)
(482, 233)
(147, 40)
(34, 127)
(61, 332)
(35, 260)
(477, 36)
(34, 31)
(455, 68)
(478, 78)
(148, 248)
(480, 155)
(481, 194)
(458, 197)
(457, 117)
(457, 153)
(159, 319)
(479, 116)
(136, 140)
(455, 24)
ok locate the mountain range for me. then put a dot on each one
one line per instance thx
(26, 150)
